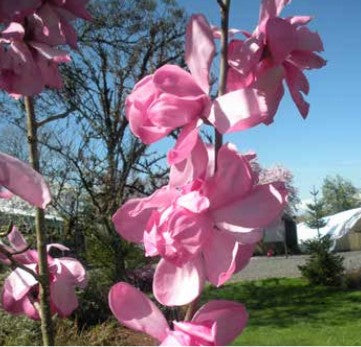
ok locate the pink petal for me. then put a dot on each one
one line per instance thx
(297, 83)
(20, 74)
(5, 194)
(219, 257)
(185, 169)
(63, 296)
(234, 177)
(22, 306)
(131, 219)
(201, 334)
(49, 71)
(50, 53)
(17, 240)
(58, 246)
(15, 31)
(235, 80)
(281, 38)
(171, 112)
(244, 55)
(176, 286)
(299, 20)
(19, 282)
(200, 49)
(263, 205)
(77, 8)
(307, 40)
(238, 110)
(45, 26)
(269, 84)
(129, 227)
(172, 79)
(72, 271)
(230, 317)
(244, 255)
(23, 181)
(306, 60)
(245, 235)
(161, 198)
(186, 141)
(11, 10)
(69, 33)
(136, 108)
(271, 8)
(194, 202)
(133, 309)
(177, 338)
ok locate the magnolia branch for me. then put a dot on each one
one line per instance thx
(55, 117)
(15, 263)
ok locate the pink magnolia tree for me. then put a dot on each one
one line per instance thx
(205, 223)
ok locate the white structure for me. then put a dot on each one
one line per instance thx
(337, 226)
(16, 206)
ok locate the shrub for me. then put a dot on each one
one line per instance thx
(353, 279)
(322, 267)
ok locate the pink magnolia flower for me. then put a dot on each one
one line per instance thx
(50, 24)
(205, 230)
(279, 49)
(173, 97)
(18, 246)
(11, 10)
(27, 67)
(217, 323)
(20, 179)
(20, 292)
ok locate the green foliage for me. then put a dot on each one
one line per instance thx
(322, 267)
(93, 306)
(290, 312)
(315, 212)
(339, 194)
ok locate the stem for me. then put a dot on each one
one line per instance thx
(191, 309)
(15, 264)
(44, 286)
(224, 6)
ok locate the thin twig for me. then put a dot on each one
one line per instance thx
(8, 231)
(224, 7)
(15, 263)
(55, 117)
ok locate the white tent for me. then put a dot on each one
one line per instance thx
(337, 226)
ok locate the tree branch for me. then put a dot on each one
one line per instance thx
(55, 117)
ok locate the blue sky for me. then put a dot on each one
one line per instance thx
(329, 141)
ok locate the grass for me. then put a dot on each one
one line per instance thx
(282, 312)
(290, 312)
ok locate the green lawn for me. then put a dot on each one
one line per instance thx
(290, 312)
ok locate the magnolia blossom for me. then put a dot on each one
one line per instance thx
(217, 323)
(11, 10)
(279, 49)
(20, 179)
(50, 23)
(206, 229)
(27, 67)
(173, 97)
(29, 56)
(21, 289)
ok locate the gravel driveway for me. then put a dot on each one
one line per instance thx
(267, 267)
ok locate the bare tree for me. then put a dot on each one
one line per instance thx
(96, 162)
